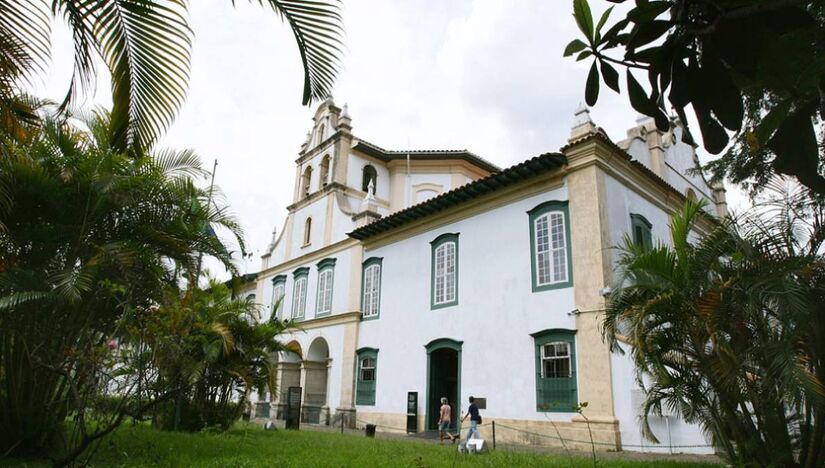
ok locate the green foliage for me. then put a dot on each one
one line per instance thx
(88, 238)
(215, 348)
(728, 330)
(756, 69)
(146, 45)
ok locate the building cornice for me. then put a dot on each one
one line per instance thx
(541, 184)
(385, 155)
(329, 188)
(312, 257)
(329, 320)
(327, 145)
(509, 177)
(598, 150)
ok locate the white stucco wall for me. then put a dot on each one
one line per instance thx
(496, 313)
(679, 160)
(340, 287)
(318, 211)
(640, 152)
(620, 203)
(355, 171)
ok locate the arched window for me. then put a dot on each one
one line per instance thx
(299, 293)
(326, 275)
(444, 288)
(278, 293)
(371, 287)
(556, 370)
(367, 373)
(305, 181)
(370, 174)
(321, 130)
(307, 231)
(324, 171)
(691, 195)
(550, 244)
(642, 230)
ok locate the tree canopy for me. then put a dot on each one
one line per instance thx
(754, 69)
(146, 45)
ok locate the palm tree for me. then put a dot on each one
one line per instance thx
(88, 236)
(216, 348)
(146, 46)
(728, 331)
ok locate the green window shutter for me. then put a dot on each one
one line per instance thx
(555, 393)
(365, 387)
(642, 230)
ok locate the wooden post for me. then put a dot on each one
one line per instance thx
(494, 435)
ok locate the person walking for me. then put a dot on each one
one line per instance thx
(475, 420)
(444, 420)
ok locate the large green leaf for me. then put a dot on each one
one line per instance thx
(591, 91)
(796, 149)
(584, 18)
(611, 76)
(574, 46)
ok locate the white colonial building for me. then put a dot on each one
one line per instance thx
(439, 273)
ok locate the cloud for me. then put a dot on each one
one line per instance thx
(484, 75)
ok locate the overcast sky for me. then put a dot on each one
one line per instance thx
(484, 75)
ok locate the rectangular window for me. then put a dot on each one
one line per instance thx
(642, 231)
(550, 244)
(445, 271)
(299, 297)
(368, 369)
(551, 249)
(555, 360)
(324, 302)
(367, 376)
(278, 292)
(556, 389)
(372, 289)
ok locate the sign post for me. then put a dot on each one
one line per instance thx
(293, 408)
(412, 412)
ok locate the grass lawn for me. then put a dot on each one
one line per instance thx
(250, 446)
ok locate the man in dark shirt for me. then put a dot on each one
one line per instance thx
(472, 412)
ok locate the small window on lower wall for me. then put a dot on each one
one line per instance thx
(555, 353)
(367, 373)
(642, 231)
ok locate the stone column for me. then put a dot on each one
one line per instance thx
(591, 273)
(346, 407)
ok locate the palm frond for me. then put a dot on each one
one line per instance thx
(146, 45)
(178, 163)
(318, 29)
(15, 299)
(25, 35)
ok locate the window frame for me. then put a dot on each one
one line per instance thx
(307, 231)
(544, 358)
(301, 274)
(435, 244)
(534, 214)
(366, 396)
(540, 340)
(366, 265)
(279, 280)
(639, 221)
(324, 266)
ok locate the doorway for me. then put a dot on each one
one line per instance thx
(443, 380)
